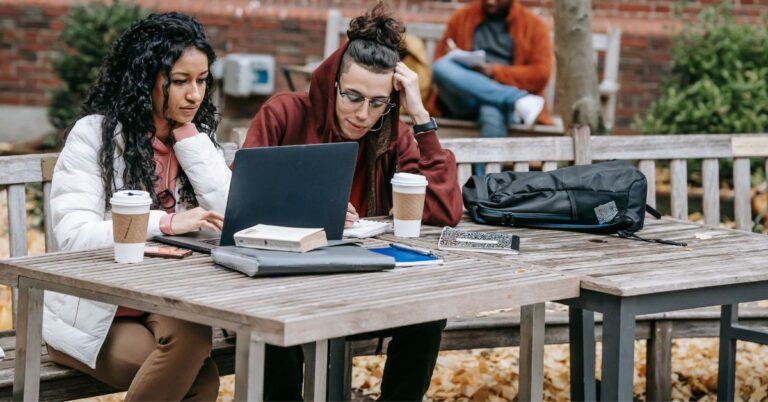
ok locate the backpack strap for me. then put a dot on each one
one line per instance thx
(481, 186)
(653, 211)
(628, 235)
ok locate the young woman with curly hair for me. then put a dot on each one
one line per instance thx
(148, 123)
(354, 96)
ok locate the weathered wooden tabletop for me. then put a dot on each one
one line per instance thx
(294, 310)
(609, 264)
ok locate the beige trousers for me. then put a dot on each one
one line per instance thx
(155, 358)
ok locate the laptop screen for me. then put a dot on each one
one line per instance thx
(296, 185)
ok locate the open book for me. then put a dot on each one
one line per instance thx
(365, 228)
(468, 58)
(281, 238)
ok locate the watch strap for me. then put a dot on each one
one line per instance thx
(424, 127)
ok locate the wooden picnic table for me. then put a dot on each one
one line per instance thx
(623, 278)
(285, 311)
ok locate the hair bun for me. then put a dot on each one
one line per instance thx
(378, 26)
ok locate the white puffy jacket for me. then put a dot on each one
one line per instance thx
(76, 326)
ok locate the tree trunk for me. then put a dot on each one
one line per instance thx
(576, 89)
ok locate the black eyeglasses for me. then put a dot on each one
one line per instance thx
(355, 100)
(166, 199)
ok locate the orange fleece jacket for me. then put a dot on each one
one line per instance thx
(532, 65)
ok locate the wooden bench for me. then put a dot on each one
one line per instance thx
(62, 383)
(606, 44)
(472, 332)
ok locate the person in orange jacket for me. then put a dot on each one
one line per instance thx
(509, 83)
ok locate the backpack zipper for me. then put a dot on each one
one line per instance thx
(533, 220)
(522, 216)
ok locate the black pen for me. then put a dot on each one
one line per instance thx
(412, 249)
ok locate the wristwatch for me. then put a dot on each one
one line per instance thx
(424, 127)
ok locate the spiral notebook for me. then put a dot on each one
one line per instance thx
(486, 242)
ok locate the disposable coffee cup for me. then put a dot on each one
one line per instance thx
(408, 192)
(130, 216)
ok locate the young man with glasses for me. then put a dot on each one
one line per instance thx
(354, 96)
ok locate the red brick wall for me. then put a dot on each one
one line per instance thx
(293, 30)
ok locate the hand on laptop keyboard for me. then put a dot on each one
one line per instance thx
(197, 218)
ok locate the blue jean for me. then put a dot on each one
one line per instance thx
(468, 94)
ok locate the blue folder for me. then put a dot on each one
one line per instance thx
(407, 258)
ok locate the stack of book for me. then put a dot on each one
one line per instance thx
(267, 250)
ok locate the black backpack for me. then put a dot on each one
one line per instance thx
(607, 197)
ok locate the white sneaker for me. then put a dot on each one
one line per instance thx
(528, 108)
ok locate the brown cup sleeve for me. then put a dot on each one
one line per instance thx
(130, 228)
(408, 207)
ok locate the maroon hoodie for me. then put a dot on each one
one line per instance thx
(309, 118)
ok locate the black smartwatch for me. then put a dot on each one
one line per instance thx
(424, 127)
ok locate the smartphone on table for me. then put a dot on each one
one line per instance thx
(166, 252)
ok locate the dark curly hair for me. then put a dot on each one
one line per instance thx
(375, 41)
(122, 93)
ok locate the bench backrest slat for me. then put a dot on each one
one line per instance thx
(710, 174)
(17, 219)
(521, 167)
(50, 242)
(493, 167)
(741, 194)
(20, 169)
(679, 197)
(520, 149)
(691, 146)
(648, 168)
(548, 166)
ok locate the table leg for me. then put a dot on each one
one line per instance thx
(531, 353)
(658, 386)
(726, 366)
(315, 370)
(29, 332)
(581, 329)
(339, 369)
(249, 367)
(618, 352)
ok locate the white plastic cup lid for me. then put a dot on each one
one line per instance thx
(409, 179)
(131, 198)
